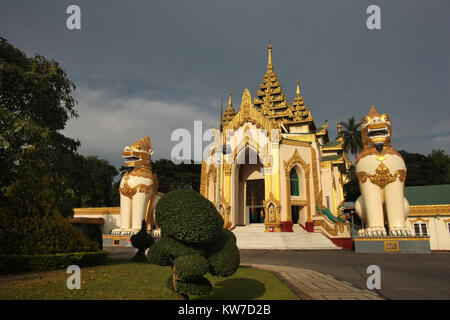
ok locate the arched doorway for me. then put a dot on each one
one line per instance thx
(248, 188)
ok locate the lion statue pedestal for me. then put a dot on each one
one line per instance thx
(381, 172)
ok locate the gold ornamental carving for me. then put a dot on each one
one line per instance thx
(129, 191)
(329, 230)
(212, 172)
(224, 210)
(315, 174)
(203, 179)
(382, 176)
(143, 172)
(296, 159)
(295, 142)
(249, 113)
(227, 168)
(429, 210)
(272, 219)
(419, 220)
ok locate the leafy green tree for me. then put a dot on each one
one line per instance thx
(351, 188)
(35, 184)
(35, 104)
(351, 132)
(94, 182)
(441, 164)
(426, 170)
(176, 176)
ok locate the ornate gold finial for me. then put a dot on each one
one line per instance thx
(269, 61)
(339, 125)
(229, 101)
(246, 98)
(298, 88)
(373, 112)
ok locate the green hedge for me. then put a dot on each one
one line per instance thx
(40, 235)
(47, 262)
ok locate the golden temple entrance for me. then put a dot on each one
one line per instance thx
(248, 189)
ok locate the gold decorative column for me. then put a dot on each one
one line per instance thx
(227, 171)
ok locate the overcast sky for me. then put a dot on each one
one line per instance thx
(149, 67)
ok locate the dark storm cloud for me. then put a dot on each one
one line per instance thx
(192, 53)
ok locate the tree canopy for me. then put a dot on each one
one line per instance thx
(351, 132)
(43, 177)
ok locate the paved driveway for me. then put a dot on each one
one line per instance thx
(403, 276)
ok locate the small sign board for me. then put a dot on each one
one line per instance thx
(391, 246)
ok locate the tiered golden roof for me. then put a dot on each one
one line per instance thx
(270, 96)
(301, 114)
(229, 112)
(272, 101)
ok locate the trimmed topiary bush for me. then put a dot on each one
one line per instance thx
(187, 216)
(190, 267)
(198, 286)
(156, 255)
(225, 258)
(141, 241)
(192, 242)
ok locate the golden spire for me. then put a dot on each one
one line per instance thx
(298, 88)
(229, 112)
(269, 61)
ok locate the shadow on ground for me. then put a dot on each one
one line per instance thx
(238, 288)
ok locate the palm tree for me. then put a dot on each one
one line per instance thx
(351, 134)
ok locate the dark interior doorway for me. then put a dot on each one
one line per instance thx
(295, 211)
(255, 199)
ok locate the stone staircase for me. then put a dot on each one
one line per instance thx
(253, 237)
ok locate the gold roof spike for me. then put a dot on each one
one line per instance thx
(270, 96)
(269, 60)
(299, 108)
(272, 102)
(229, 112)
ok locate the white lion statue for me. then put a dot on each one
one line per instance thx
(381, 172)
(138, 188)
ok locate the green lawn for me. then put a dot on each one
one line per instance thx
(121, 279)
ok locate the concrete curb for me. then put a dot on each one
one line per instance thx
(313, 285)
